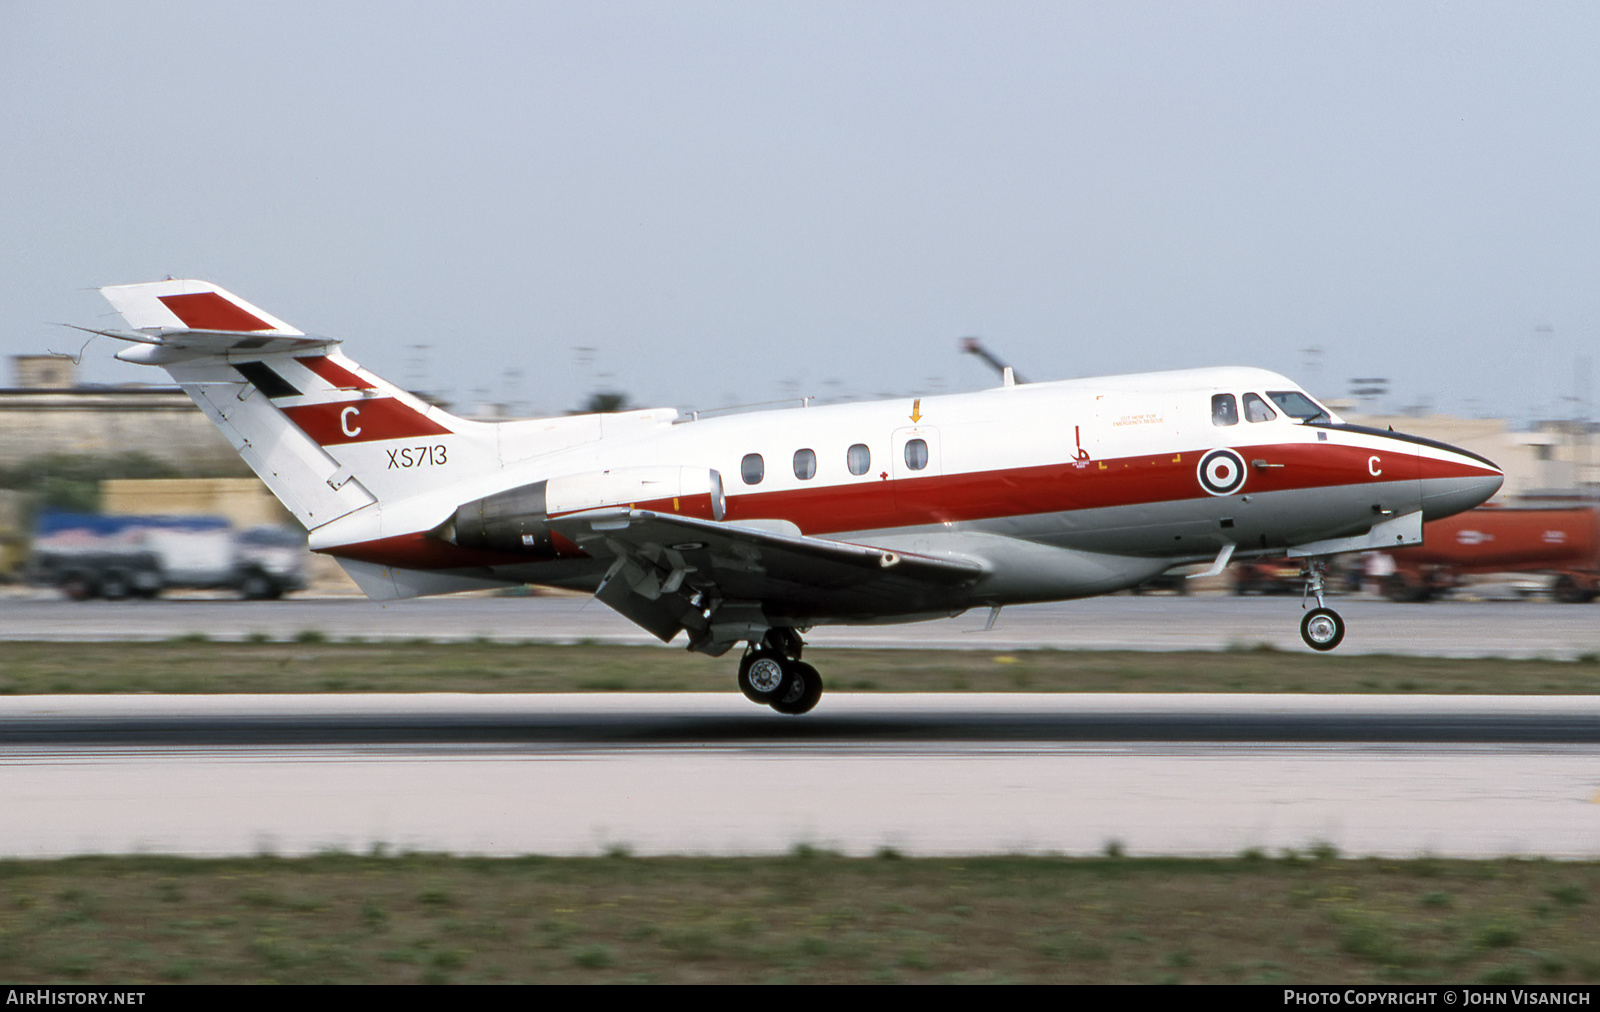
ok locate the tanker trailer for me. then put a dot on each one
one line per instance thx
(1563, 541)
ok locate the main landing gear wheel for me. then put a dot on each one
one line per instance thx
(1322, 629)
(802, 691)
(763, 676)
(772, 673)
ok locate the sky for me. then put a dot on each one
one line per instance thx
(710, 204)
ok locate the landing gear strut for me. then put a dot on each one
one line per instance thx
(772, 673)
(1322, 628)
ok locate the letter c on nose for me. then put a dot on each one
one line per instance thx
(1372, 465)
(348, 413)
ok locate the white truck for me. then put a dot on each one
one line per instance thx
(88, 555)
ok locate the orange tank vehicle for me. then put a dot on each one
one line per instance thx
(1498, 539)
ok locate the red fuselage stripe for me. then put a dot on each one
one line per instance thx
(419, 551)
(1094, 484)
(1053, 488)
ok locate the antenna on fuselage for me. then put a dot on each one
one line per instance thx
(1008, 375)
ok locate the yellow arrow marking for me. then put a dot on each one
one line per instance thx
(916, 410)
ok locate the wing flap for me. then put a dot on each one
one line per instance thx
(724, 582)
(775, 552)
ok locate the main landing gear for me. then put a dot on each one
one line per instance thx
(1322, 628)
(771, 672)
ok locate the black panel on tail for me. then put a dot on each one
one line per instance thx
(265, 380)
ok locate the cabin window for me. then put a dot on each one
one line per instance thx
(752, 469)
(1224, 410)
(1297, 405)
(1256, 409)
(916, 454)
(805, 465)
(859, 458)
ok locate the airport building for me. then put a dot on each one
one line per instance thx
(45, 411)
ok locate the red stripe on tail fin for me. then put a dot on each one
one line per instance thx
(363, 421)
(335, 374)
(210, 311)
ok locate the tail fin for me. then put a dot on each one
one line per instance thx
(326, 436)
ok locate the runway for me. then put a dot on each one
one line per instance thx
(688, 773)
(923, 774)
(1201, 622)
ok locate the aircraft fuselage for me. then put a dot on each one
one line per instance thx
(754, 527)
(1098, 484)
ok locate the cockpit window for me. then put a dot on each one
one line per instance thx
(1297, 405)
(1256, 409)
(1224, 410)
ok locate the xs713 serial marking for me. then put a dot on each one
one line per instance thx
(417, 456)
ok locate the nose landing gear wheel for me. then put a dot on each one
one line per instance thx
(762, 677)
(802, 692)
(1322, 629)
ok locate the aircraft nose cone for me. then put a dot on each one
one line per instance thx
(1455, 480)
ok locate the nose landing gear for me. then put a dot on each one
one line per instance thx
(1322, 628)
(772, 673)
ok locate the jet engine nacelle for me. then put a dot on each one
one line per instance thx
(516, 520)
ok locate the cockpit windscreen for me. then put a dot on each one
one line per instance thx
(1298, 405)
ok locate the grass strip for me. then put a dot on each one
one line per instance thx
(807, 917)
(312, 665)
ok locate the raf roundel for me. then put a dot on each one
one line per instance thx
(1221, 472)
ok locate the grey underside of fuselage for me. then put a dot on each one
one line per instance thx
(1040, 557)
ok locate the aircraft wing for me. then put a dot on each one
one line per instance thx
(720, 581)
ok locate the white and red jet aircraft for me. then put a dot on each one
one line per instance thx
(753, 528)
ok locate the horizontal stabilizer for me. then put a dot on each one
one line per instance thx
(171, 321)
(168, 307)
